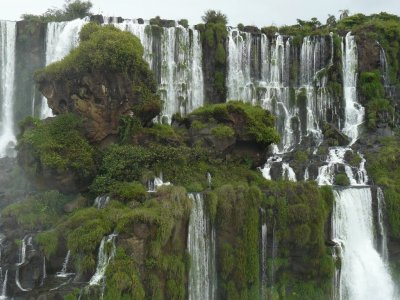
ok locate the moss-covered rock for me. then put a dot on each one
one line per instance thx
(55, 154)
(104, 78)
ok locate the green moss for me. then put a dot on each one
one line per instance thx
(301, 156)
(38, 212)
(342, 179)
(128, 191)
(223, 131)
(58, 144)
(258, 123)
(220, 55)
(198, 125)
(384, 167)
(48, 242)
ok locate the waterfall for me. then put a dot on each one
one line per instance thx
(382, 241)
(201, 246)
(63, 273)
(363, 272)
(3, 294)
(266, 170)
(44, 275)
(354, 112)
(336, 157)
(274, 252)
(61, 38)
(259, 72)
(155, 183)
(288, 173)
(175, 56)
(264, 244)
(7, 68)
(306, 174)
(101, 201)
(22, 253)
(104, 257)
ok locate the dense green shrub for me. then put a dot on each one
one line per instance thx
(59, 144)
(384, 167)
(72, 10)
(257, 122)
(106, 49)
(38, 212)
(342, 179)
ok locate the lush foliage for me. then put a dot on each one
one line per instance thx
(256, 122)
(212, 16)
(72, 10)
(384, 167)
(58, 144)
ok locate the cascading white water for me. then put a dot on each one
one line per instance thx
(61, 38)
(288, 173)
(267, 82)
(3, 295)
(201, 246)
(363, 271)
(177, 64)
(63, 273)
(354, 112)
(336, 157)
(7, 69)
(382, 245)
(264, 244)
(104, 257)
(22, 252)
(155, 183)
(101, 201)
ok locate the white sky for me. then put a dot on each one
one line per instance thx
(248, 12)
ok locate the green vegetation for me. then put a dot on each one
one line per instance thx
(40, 211)
(57, 144)
(342, 179)
(378, 108)
(384, 167)
(212, 16)
(213, 34)
(223, 131)
(257, 123)
(297, 212)
(71, 10)
(106, 49)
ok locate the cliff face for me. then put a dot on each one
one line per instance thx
(216, 150)
(99, 98)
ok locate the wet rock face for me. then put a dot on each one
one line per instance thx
(99, 98)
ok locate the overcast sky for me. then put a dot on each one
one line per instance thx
(248, 12)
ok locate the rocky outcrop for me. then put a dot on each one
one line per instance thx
(99, 98)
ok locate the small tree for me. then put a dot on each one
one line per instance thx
(212, 16)
(77, 9)
(331, 21)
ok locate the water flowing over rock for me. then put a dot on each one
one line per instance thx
(175, 56)
(354, 112)
(259, 71)
(7, 69)
(61, 38)
(63, 273)
(105, 255)
(201, 246)
(364, 274)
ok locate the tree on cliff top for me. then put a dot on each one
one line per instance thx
(212, 16)
(70, 11)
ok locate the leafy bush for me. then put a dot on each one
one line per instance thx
(257, 123)
(72, 10)
(342, 179)
(212, 16)
(59, 144)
